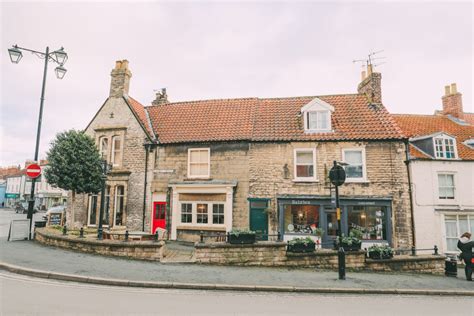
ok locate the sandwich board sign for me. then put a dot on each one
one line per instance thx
(19, 229)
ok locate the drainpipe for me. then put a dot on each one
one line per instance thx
(407, 163)
(147, 150)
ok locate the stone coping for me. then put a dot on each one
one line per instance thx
(103, 243)
(258, 244)
(322, 252)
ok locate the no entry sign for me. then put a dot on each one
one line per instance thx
(33, 171)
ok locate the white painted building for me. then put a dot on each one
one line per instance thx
(441, 163)
(15, 187)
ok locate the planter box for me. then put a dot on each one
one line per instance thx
(242, 239)
(377, 255)
(353, 247)
(309, 247)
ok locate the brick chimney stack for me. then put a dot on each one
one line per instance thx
(371, 85)
(452, 102)
(120, 79)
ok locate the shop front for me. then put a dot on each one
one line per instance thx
(299, 216)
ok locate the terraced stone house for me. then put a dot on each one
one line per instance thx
(257, 163)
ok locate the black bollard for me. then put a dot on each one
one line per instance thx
(126, 235)
(156, 235)
(201, 236)
(64, 230)
(413, 251)
(435, 250)
(341, 262)
(81, 232)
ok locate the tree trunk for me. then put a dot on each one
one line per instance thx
(73, 198)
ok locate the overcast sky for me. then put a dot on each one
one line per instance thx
(205, 50)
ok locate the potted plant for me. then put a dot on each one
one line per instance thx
(241, 236)
(380, 252)
(301, 245)
(352, 242)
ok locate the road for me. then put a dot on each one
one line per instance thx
(25, 295)
(7, 214)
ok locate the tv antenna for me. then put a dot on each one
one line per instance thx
(371, 57)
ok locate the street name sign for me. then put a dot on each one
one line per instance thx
(33, 171)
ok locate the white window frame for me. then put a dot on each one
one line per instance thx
(314, 178)
(112, 158)
(101, 149)
(116, 197)
(317, 129)
(470, 218)
(208, 163)
(446, 200)
(89, 209)
(209, 213)
(364, 165)
(443, 139)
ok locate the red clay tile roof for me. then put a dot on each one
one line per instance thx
(140, 112)
(469, 117)
(275, 119)
(423, 125)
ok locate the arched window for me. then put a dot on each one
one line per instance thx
(117, 150)
(104, 147)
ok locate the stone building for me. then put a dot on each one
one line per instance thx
(442, 168)
(217, 165)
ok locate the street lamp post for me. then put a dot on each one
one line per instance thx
(59, 57)
(105, 170)
(337, 175)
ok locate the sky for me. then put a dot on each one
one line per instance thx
(207, 50)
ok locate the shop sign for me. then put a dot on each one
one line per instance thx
(300, 202)
(365, 203)
(12, 195)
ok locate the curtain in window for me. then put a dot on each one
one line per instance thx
(304, 165)
(354, 159)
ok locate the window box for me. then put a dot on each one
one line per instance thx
(351, 247)
(301, 245)
(242, 237)
(380, 252)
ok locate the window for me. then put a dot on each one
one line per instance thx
(355, 158)
(370, 220)
(446, 186)
(117, 150)
(218, 213)
(445, 147)
(119, 205)
(305, 162)
(301, 219)
(104, 147)
(105, 220)
(186, 213)
(202, 213)
(198, 163)
(469, 142)
(456, 225)
(92, 217)
(317, 121)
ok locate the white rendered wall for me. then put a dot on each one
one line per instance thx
(429, 210)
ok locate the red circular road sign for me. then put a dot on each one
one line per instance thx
(33, 171)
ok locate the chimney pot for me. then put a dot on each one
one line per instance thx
(118, 64)
(454, 89)
(362, 75)
(369, 70)
(124, 65)
(447, 90)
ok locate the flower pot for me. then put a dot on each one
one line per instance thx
(308, 247)
(242, 239)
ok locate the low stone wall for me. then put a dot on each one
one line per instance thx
(145, 250)
(268, 253)
(274, 254)
(428, 264)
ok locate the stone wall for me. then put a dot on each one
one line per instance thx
(116, 118)
(274, 254)
(272, 168)
(144, 250)
(430, 264)
(229, 162)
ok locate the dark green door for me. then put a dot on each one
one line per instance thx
(259, 218)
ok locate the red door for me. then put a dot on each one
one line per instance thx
(159, 215)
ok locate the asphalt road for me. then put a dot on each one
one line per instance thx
(28, 296)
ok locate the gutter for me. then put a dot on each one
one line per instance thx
(410, 192)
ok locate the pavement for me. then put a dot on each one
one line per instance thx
(34, 259)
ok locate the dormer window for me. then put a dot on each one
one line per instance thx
(469, 143)
(317, 116)
(445, 147)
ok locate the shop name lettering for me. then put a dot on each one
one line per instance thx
(300, 202)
